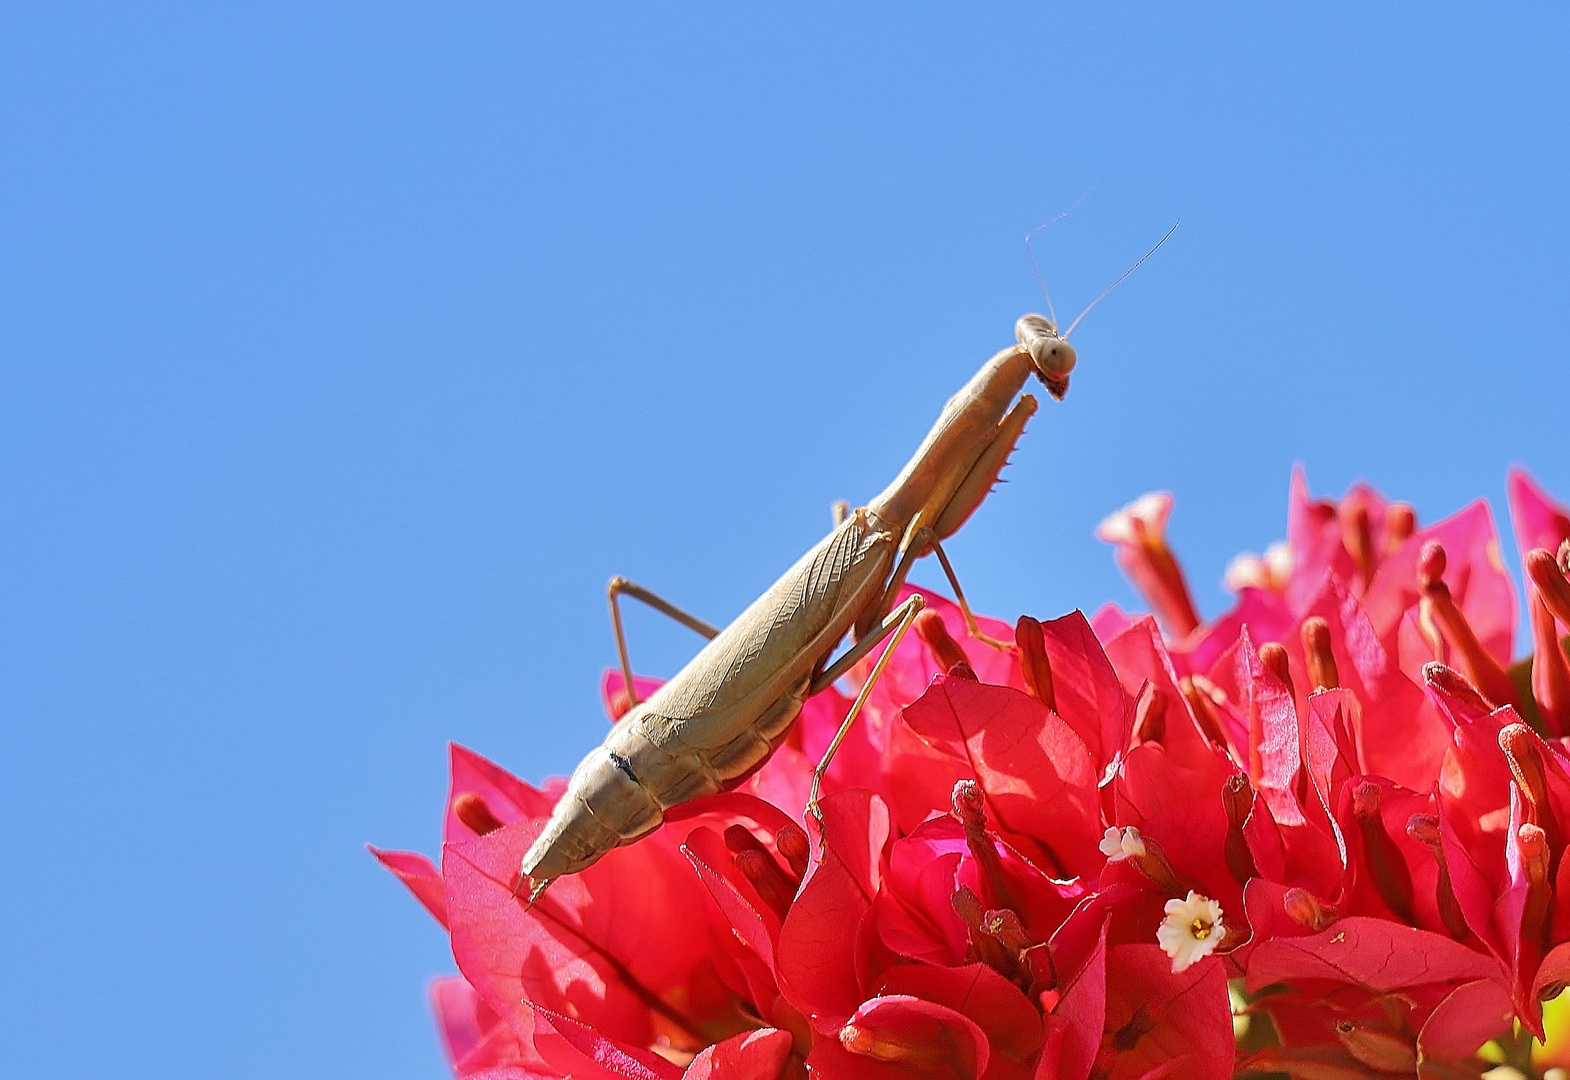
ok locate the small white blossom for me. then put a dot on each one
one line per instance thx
(1120, 844)
(1191, 930)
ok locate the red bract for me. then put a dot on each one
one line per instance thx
(628, 970)
(1072, 850)
(1398, 788)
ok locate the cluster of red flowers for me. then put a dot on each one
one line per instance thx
(1321, 836)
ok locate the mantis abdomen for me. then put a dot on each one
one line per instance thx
(726, 711)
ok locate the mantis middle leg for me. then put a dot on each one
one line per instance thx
(918, 543)
(897, 622)
(619, 587)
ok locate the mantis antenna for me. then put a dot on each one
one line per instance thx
(1031, 255)
(1119, 281)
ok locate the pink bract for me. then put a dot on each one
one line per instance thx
(1346, 765)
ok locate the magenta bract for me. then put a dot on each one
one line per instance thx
(1343, 808)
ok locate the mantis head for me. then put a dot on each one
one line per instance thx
(1051, 354)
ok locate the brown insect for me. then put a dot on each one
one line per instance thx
(726, 711)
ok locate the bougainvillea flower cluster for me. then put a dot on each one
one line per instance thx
(1321, 837)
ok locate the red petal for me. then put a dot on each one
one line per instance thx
(752, 1055)
(817, 944)
(1037, 774)
(1086, 688)
(936, 1037)
(506, 797)
(613, 694)
(478, 1041)
(1181, 809)
(1011, 1023)
(752, 920)
(576, 1050)
(421, 877)
(456, 1006)
(1076, 1023)
(1374, 954)
(1474, 793)
(1140, 655)
(915, 917)
(1109, 621)
(1472, 1014)
(611, 944)
(1476, 577)
(1263, 613)
(1192, 1037)
(1539, 521)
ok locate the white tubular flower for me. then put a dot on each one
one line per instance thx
(1144, 517)
(1271, 571)
(1191, 930)
(1120, 844)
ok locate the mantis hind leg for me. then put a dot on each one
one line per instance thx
(896, 623)
(619, 587)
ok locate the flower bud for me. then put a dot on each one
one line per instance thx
(1424, 828)
(1549, 575)
(1526, 765)
(1431, 564)
(470, 809)
(1452, 683)
(1033, 663)
(1400, 524)
(1274, 656)
(1440, 608)
(1237, 796)
(1377, 1048)
(793, 848)
(1322, 673)
(1150, 715)
(1306, 909)
(948, 652)
(1386, 865)
(1357, 536)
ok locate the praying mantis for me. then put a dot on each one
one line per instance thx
(723, 714)
(733, 704)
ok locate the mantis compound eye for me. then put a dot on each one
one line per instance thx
(1054, 357)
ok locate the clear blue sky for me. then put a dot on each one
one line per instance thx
(347, 350)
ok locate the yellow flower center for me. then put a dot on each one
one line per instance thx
(1200, 928)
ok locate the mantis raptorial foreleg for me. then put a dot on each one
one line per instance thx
(896, 622)
(619, 587)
